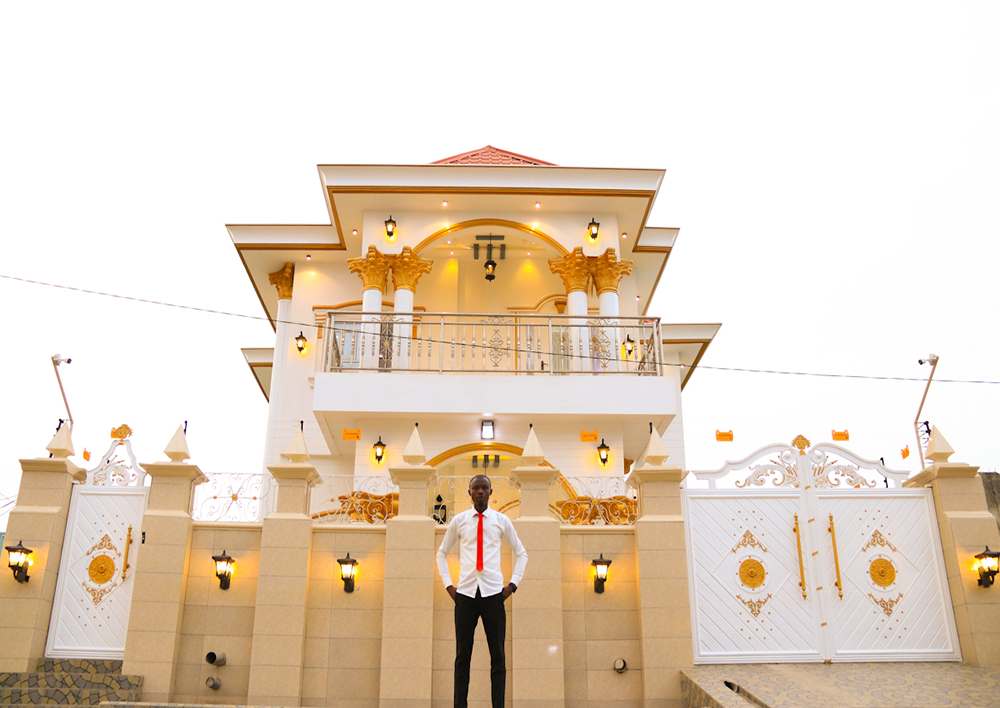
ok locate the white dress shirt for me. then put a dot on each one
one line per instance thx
(464, 529)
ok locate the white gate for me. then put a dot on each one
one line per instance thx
(822, 565)
(103, 535)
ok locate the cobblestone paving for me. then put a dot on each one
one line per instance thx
(903, 685)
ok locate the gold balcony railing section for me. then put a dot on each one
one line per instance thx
(484, 343)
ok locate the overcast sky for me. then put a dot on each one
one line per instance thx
(833, 169)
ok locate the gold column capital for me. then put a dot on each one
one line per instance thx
(282, 280)
(407, 269)
(574, 270)
(608, 271)
(373, 269)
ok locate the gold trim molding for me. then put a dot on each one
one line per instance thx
(452, 228)
(282, 280)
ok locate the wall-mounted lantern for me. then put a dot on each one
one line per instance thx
(301, 342)
(19, 560)
(600, 573)
(224, 569)
(348, 571)
(592, 228)
(390, 227)
(486, 430)
(379, 449)
(629, 345)
(602, 451)
(987, 564)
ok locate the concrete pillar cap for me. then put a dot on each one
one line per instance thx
(296, 450)
(532, 454)
(60, 445)
(414, 452)
(656, 451)
(938, 449)
(177, 449)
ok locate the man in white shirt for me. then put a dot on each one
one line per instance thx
(481, 592)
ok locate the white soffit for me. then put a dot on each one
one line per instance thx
(261, 361)
(689, 342)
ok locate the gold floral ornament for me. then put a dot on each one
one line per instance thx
(752, 573)
(878, 539)
(101, 569)
(755, 606)
(749, 540)
(407, 269)
(373, 269)
(608, 271)
(574, 269)
(283, 280)
(882, 572)
(801, 442)
(887, 606)
(121, 432)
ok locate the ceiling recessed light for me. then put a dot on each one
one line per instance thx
(529, 253)
(449, 242)
(624, 235)
(444, 203)
(636, 297)
(538, 205)
(354, 232)
(453, 253)
(308, 257)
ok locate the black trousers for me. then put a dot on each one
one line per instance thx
(468, 611)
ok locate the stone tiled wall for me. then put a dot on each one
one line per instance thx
(599, 628)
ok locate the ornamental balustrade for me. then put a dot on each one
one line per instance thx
(368, 500)
(486, 343)
(595, 501)
(231, 497)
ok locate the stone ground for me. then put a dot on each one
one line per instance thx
(903, 685)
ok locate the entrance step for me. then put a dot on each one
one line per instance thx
(79, 666)
(882, 685)
(70, 682)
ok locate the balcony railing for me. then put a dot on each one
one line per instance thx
(483, 343)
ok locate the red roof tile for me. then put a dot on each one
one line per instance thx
(490, 155)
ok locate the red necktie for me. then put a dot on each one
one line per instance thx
(479, 544)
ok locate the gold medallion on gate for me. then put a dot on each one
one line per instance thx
(882, 572)
(752, 573)
(101, 569)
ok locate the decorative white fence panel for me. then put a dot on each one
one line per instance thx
(813, 560)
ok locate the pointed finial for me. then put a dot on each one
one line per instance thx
(414, 452)
(532, 454)
(60, 445)
(656, 451)
(296, 450)
(177, 448)
(938, 449)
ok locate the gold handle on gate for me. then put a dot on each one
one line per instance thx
(128, 543)
(836, 559)
(802, 569)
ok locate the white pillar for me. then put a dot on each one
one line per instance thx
(609, 312)
(576, 308)
(402, 344)
(371, 302)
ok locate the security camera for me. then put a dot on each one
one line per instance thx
(931, 359)
(57, 360)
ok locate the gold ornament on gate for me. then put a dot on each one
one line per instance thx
(883, 572)
(752, 573)
(101, 569)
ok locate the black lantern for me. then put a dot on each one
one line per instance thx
(600, 573)
(987, 563)
(491, 266)
(390, 227)
(629, 345)
(301, 342)
(602, 451)
(224, 569)
(592, 228)
(348, 570)
(19, 561)
(379, 449)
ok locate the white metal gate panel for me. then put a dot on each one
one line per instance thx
(896, 604)
(103, 536)
(826, 565)
(747, 604)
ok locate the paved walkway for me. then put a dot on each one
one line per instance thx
(903, 685)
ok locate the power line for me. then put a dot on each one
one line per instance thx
(513, 350)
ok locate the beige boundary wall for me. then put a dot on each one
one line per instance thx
(334, 646)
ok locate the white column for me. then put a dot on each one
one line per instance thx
(402, 344)
(371, 301)
(276, 423)
(576, 308)
(609, 311)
